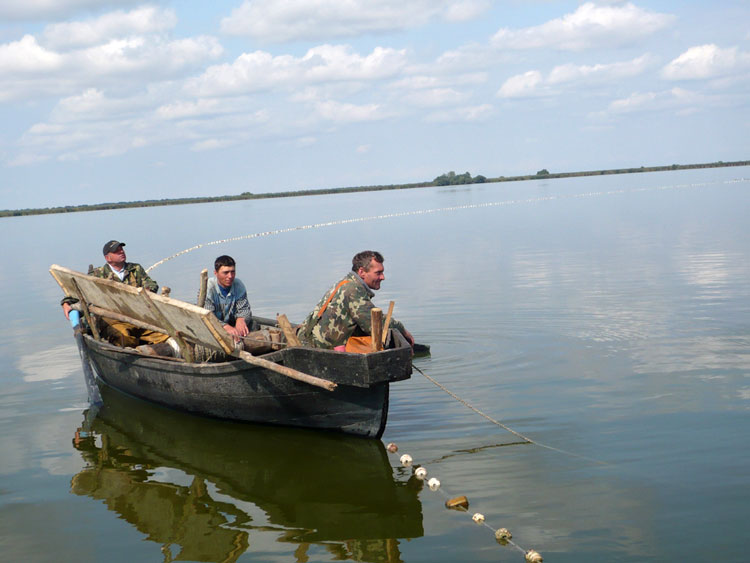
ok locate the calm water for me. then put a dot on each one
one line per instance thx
(607, 318)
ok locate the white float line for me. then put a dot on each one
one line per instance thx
(407, 462)
(429, 211)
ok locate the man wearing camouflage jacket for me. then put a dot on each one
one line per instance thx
(344, 310)
(118, 269)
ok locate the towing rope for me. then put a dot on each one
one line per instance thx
(435, 210)
(503, 426)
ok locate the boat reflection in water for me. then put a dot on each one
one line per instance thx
(207, 490)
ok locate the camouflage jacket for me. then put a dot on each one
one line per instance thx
(135, 275)
(347, 314)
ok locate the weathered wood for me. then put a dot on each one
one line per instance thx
(387, 323)
(191, 321)
(286, 328)
(85, 309)
(376, 318)
(203, 289)
(176, 318)
(289, 372)
(186, 351)
(217, 335)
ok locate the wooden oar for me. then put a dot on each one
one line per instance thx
(289, 372)
(388, 320)
(223, 341)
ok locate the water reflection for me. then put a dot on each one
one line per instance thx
(202, 488)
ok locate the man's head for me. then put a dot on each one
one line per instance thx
(114, 253)
(224, 270)
(369, 266)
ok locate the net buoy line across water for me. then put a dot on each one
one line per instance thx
(502, 535)
(461, 504)
(429, 211)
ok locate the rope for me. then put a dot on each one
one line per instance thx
(501, 425)
(429, 211)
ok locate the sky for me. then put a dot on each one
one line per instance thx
(120, 100)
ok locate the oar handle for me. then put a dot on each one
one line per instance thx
(289, 372)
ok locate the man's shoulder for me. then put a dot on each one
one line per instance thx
(354, 288)
(101, 271)
(134, 267)
(238, 287)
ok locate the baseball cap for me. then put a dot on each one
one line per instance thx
(112, 246)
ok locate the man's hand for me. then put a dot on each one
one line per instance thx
(409, 337)
(241, 328)
(233, 331)
(238, 331)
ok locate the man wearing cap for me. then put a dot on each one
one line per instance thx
(117, 268)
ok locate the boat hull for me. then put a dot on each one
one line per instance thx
(239, 391)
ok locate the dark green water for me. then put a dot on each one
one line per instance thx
(608, 319)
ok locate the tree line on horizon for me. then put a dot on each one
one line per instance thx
(446, 179)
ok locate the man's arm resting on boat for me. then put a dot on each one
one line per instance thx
(68, 304)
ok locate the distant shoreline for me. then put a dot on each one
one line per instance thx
(541, 175)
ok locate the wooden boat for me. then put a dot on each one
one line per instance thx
(292, 386)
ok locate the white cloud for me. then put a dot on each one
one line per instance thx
(466, 113)
(590, 26)
(144, 20)
(94, 125)
(26, 56)
(54, 9)
(210, 144)
(469, 57)
(348, 113)
(521, 85)
(46, 365)
(419, 81)
(153, 56)
(586, 73)
(533, 83)
(274, 21)
(707, 61)
(26, 159)
(193, 108)
(304, 142)
(257, 71)
(435, 97)
(674, 99)
(77, 56)
(465, 10)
